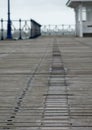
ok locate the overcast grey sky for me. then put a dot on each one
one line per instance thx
(43, 11)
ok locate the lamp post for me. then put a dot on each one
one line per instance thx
(9, 34)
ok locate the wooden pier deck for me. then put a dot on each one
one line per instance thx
(46, 84)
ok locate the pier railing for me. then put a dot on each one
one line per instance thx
(26, 29)
(20, 29)
(62, 30)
